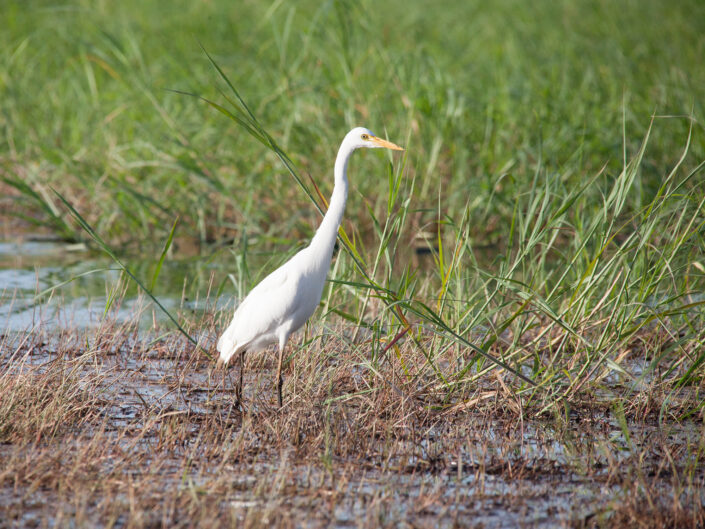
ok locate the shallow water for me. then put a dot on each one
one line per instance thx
(59, 285)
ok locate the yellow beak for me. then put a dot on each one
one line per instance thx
(386, 144)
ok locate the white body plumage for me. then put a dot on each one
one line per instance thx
(284, 300)
(278, 306)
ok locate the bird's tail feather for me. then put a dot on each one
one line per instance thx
(227, 347)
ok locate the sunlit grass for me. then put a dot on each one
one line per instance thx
(516, 305)
(105, 426)
(483, 104)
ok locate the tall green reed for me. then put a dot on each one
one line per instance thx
(577, 282)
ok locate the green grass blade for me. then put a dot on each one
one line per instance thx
(163, 255)
(104, 246)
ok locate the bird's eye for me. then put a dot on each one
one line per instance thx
(365, 136)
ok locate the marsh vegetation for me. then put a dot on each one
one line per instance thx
(513, 327)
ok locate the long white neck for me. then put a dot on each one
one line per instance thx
(326, 234)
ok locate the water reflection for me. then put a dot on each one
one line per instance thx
(62, 285)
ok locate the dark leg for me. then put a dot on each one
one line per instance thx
(280, 382)
(238, 388)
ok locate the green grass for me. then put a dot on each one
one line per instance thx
(552, 165)
(480, 105)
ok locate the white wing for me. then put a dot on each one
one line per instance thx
(269, 305)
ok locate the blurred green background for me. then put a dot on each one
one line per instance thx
(482, 94)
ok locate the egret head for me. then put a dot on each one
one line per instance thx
(360, 137)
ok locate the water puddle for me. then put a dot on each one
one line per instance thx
(58, 286)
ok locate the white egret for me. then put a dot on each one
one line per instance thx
(282, 302)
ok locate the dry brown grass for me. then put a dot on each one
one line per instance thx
(104, 428)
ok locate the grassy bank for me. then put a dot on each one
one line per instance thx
(528, 129)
